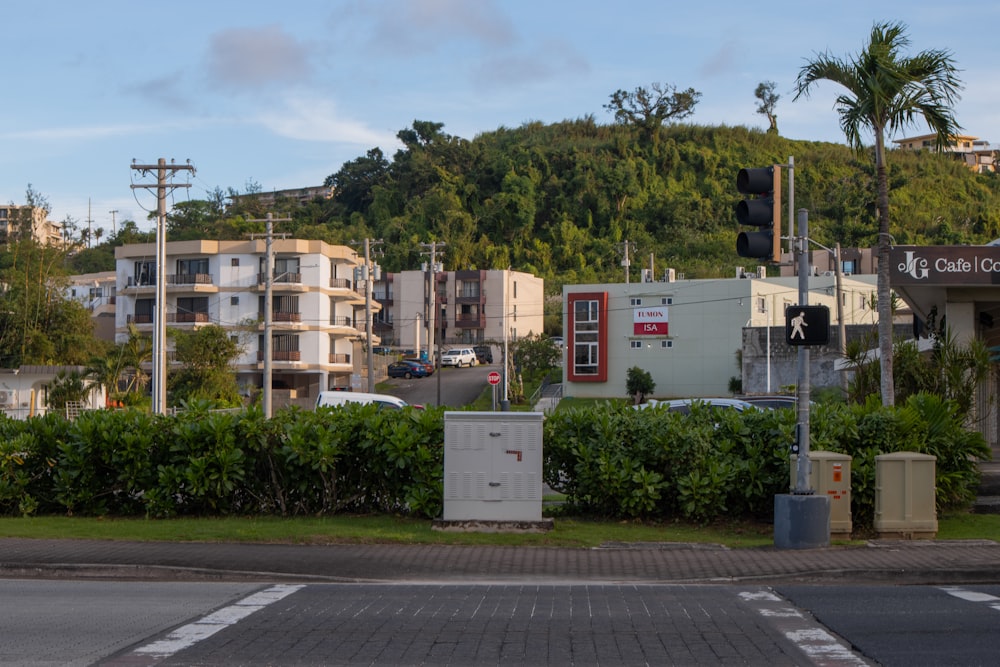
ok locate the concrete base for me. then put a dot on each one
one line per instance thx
(492, 526)
(801, 521)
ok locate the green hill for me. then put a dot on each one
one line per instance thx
(558, 200)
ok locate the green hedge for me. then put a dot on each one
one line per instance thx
(610, 460)
(615, 461)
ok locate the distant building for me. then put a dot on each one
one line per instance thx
(96, 292)
(298, 195)
(689, 334)
(977, 154)
(20, 221)
(318, 311)
(472, 306)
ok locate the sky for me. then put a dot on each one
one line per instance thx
(282, 95)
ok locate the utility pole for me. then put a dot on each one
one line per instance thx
(114, 228)
(369, 275)
(626, 262)
(163, 171)
(432, 310)
(89, 223)
(266, 397)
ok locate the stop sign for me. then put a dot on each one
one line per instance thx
(493, 377)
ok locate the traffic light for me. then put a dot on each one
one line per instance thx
(761, 209)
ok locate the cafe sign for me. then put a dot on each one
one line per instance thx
(944, 265)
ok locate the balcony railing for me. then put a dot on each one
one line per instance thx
(187, 318)
(340, 283)
(139, 319)
(189, 279)
(282, 316)
(281, 355)
(341, 321)
(142, 281)
(470, 320)
(340, 358)
(280, 278)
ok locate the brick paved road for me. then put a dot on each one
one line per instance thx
(406, 624)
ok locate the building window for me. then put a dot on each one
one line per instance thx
(144, 273)
(635, 301)
(234, 301)
(588, 336)
(235, 261)
(666, 301)
(192, 267)
(666, 344)
(635, 344)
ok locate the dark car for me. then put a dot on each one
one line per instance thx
(484, 354)
(407, 369)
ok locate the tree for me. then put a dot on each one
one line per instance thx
(768, 101)
(639, 384)
(207, 355)
(649, 109)
(886, 92)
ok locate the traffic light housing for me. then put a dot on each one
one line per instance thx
(761, 209)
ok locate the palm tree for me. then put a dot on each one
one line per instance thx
(137, 350)
(887, 92)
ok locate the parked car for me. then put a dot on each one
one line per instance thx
(406, 368)
(771, 401)
(333, 399)
(683, 405)
(458, 357)
(557, 341)
(484, 354)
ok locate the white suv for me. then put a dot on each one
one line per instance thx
(459, 356)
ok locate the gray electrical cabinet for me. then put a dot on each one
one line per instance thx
(493, 466)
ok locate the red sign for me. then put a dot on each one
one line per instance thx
(493, 377)
(650, 321)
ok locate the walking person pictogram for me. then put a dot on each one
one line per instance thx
(798, 322)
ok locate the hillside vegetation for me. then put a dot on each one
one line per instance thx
(558, 200)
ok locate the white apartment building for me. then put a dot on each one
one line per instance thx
(472, 306)
(688, 334)
(33, 221)
(318, 310)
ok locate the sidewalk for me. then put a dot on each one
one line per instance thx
(879, 561)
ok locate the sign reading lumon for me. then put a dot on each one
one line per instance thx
(944, 265)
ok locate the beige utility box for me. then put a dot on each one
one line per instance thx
(905, 503)
(830, 475)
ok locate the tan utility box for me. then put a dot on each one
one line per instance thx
(830, 475)
(905, 503)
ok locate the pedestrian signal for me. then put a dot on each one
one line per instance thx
(807, 325)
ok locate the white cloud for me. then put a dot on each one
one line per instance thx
(311, 119)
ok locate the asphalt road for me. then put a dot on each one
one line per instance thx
(451, 387)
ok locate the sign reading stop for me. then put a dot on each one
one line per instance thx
(493, 378)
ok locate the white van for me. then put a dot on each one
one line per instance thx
(328, 399)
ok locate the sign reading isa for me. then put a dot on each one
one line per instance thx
(650, 321)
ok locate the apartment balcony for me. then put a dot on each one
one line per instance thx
(188, 318)
(280, 355)
(280, 317)
(282, 282)
(344, 322)
(470, 296)
(143, 285)
(191, 282)
(470, 321)
(340, 359)
(139, 320)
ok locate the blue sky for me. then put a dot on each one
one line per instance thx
(282, 94)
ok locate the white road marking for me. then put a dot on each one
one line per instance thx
(819, 646)
(969, 596)
(192, 633)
